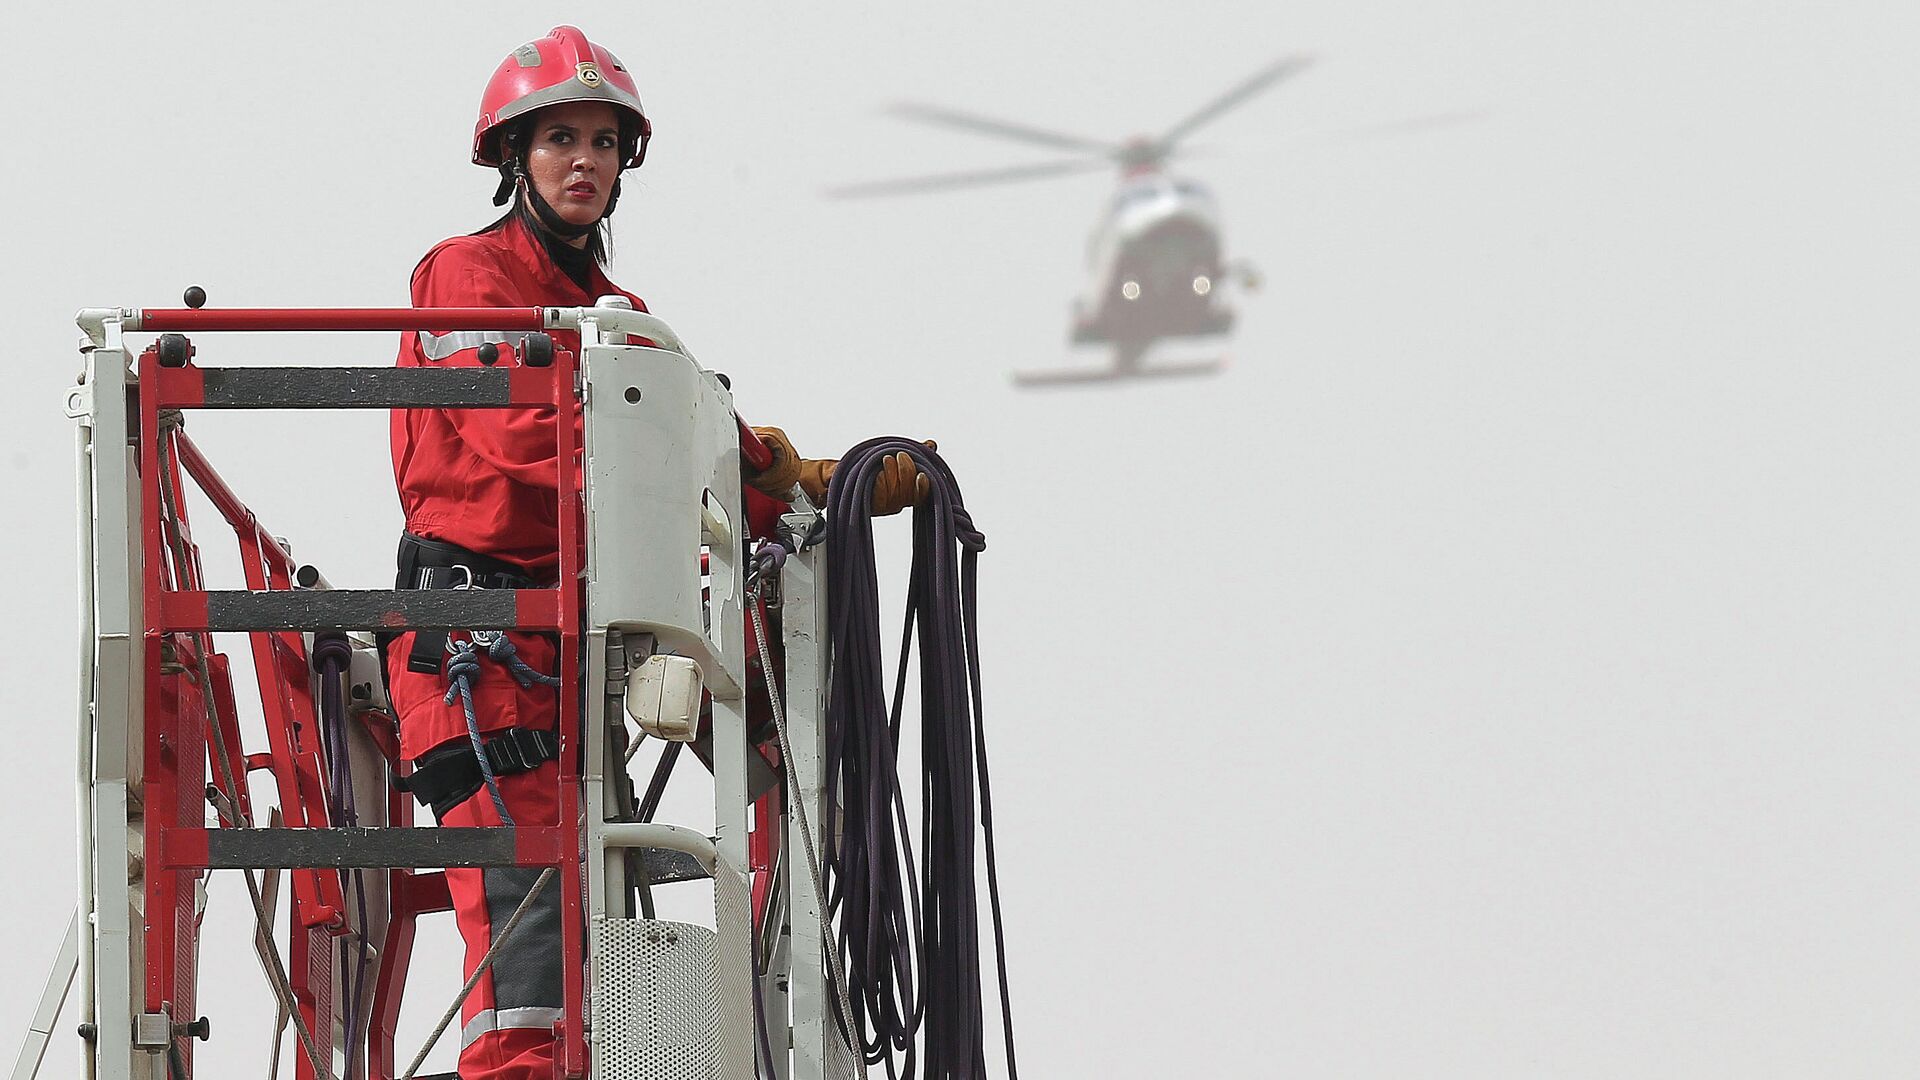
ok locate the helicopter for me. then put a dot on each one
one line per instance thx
(1156, 266)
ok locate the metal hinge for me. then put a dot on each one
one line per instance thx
(80, 403)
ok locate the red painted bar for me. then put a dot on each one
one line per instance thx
(174, 388)
(184, 849)
(179, 611)
(282, 671)
(755, 452)
(389, 988)
(531, 386)
(438, 320)
(222, 496)
(229, 733)
(540, 609)
(543, 845)
(426, 892)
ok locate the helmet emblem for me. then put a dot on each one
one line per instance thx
(589, 73)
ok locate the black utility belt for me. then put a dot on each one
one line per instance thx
(436, 564)
(449, 775)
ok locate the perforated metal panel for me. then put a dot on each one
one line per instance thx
(733, 913)
(656, 1012)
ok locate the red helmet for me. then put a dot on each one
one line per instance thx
(563, 66)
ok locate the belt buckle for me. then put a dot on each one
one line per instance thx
(482, 639)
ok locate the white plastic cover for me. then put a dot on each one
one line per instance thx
(663, 697)
(663, 496)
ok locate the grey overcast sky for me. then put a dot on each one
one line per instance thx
(1504, 669)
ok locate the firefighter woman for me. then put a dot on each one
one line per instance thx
(560, 120)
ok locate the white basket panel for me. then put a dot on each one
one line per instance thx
(733, 913)
(658, 1006)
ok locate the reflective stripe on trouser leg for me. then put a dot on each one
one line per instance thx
(492, 1020)
(507, 1028)
(526, 972)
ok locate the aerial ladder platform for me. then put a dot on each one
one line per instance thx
(679, 620)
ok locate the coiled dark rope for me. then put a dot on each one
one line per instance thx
(911, 941)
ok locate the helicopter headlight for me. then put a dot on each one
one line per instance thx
(1202, 285)
(1130, 290)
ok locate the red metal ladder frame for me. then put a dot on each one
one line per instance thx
(181, 614)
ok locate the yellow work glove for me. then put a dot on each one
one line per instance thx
(815, 475)
(778, 478)
(900, 484)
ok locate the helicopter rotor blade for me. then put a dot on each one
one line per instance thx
(1280, 69)
(1408, 126)
(914, 185)
(1005, 129)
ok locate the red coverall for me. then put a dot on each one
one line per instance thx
(485, 479)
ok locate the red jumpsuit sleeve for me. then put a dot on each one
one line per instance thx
(517, 442)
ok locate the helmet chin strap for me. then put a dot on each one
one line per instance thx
(513, 178)
(550, 218)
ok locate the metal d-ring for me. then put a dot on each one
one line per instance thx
(481, 639)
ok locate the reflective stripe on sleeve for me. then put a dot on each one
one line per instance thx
(441, 346)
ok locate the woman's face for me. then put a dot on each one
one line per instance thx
(574, 158)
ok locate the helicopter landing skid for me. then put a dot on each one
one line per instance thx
(1121, 373)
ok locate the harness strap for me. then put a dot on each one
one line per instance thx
(449, 775)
